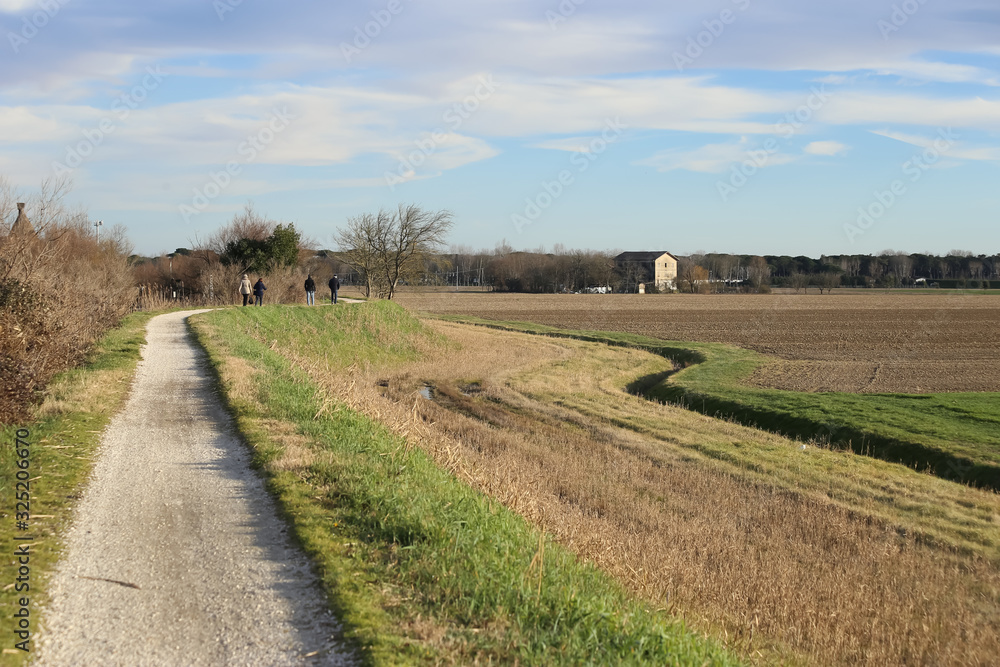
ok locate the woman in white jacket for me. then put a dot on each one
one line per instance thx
(245, 289)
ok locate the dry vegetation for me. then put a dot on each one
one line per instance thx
(794, 555)
(59, 291)
(846, 341)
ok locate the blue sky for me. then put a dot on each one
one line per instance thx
(751, 126)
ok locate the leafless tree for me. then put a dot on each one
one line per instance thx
(799, 281)
(248, 224)
(388, 247)
(690, 275)
(360, 242)
(759, 271)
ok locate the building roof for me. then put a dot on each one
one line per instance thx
(649, 256)
(22, 224)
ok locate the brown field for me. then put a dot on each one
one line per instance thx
(792, 555)
(845, 341)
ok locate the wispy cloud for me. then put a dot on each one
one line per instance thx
(710, 159)
(960, 150)
(825, 148)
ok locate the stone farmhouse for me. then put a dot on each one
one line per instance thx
(657, 268)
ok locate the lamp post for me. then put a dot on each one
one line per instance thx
(97, 226)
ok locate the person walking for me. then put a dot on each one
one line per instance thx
(310, 291)
(334, 288)
(258, 291)
(245, 289)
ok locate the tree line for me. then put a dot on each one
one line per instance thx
(405, 246)
(380, 252)
(44, 327)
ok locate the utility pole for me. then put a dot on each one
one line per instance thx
(97, 226)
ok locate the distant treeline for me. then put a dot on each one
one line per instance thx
(958, 268)
(577, 270)
(206, 274)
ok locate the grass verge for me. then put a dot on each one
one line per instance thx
(954, 436)
(420, 567)
(64, 436)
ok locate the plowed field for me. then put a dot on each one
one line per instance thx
(845, 341)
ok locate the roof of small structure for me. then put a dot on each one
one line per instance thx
(645, 256)
(22, 224)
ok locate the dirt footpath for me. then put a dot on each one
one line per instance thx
(176, 555)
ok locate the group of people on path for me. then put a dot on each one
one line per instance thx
(258, 288)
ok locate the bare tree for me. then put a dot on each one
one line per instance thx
(799, 281)
(692, 276)
(360, 242)
(759, 271)
(247, 224)
(386, 248)
(415, 234)
(828, 281)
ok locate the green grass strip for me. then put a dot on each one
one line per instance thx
(62, 447)
(420, 567)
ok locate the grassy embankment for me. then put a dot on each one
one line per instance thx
(954, 436)
(419, 566)
(740, 530)
(64, 436)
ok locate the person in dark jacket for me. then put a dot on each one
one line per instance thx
(310, 291)
(258, 292)
(334, 288)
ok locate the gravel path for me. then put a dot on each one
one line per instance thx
(176, 555)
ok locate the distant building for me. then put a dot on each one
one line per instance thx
(652, 268)
(22, 225)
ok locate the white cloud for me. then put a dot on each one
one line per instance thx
(15, 6)
(938, 72)
(24, 125)
(868, 108)
(714, 158)
(825, 148)
(533, 106)
(957, 149)
(568, 144)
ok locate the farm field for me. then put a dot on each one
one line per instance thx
(949, 434)
(787, 554)
(845, 341)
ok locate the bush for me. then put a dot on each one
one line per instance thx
(59, 291)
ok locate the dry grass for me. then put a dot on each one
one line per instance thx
(859, 341)
(820, 556)
(60, 290)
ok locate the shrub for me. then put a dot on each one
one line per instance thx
(59, 291)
